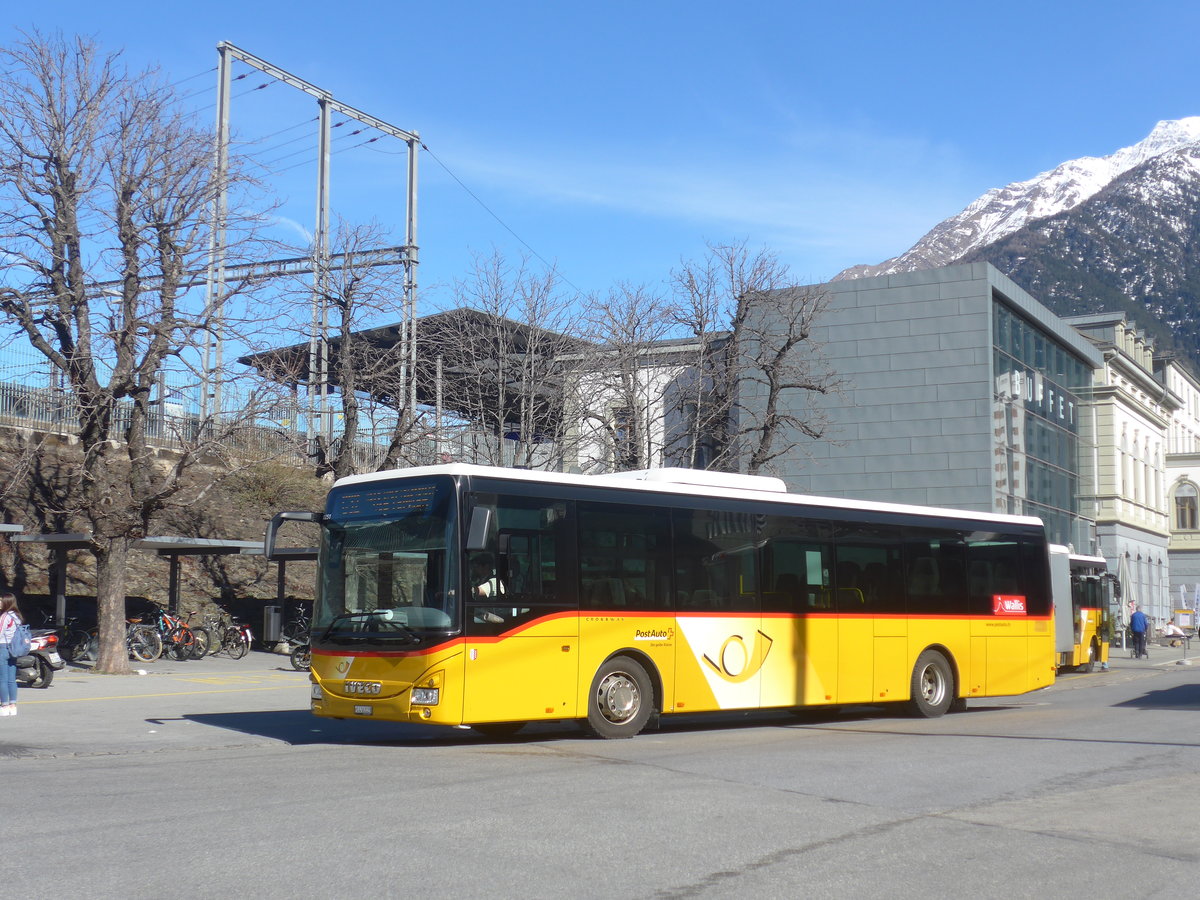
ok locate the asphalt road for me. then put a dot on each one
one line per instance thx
(210, 779)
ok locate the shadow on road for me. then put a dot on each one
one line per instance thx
(299, 727)
(1181, 696)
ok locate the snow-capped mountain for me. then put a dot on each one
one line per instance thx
(1003, 211)
(1132, 247)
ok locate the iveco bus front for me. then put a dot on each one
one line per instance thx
(387, 593)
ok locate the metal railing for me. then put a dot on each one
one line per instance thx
(171, 427)
(168, 427)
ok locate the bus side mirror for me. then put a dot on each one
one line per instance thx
(278, 519)
(480, 528)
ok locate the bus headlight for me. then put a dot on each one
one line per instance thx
(425, 696)
(316, 692)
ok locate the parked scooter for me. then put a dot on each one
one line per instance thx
(37, 667)
(301, 657)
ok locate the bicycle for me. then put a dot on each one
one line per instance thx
(203, 637)
(301, 657)
(178, 640)
(215, 626)
(73, 638)
(142, 642)
(236, 640)
(295, 630)
(226, 636)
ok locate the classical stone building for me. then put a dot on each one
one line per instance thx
(1127, 417)
(1183, 486)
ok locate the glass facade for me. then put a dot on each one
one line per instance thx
(1036, 409)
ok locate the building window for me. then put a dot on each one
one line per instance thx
(1185, 507)
(1037, 424)
(625, 438)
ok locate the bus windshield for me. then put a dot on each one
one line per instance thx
(388, 564)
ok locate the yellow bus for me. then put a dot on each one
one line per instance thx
(468, 595)
(1082, 591)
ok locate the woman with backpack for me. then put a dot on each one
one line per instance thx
(10, 618)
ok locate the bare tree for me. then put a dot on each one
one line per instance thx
(369, 367)
(502, 351)
(623, 381)
(759, 366)
(703, 403)
(106, 189)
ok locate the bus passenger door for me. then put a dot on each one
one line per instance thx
(521, 623)
(725, 641)
(798, 613)
(871, 609)
(625, 593)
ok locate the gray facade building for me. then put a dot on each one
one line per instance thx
(961, 391)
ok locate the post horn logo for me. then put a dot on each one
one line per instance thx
(737, 662)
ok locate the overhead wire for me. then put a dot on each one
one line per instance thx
(197, 93)
(175, 84)
(265, 84)
(267, 137)
(502, 223)
(214, 103)
(340, 137)
(269, 164)
(332, 153)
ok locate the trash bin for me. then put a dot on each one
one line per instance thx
(272, 623)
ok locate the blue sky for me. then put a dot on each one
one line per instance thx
(614, 138)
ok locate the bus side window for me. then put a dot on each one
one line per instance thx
(993, 570)
(797, 558)
(515, 574)
(936, 579)
(1034, 576)
(716, 559)
(624, 557)
(517, 554)
(868, 565)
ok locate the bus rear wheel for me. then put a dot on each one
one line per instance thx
(621, 699)
(932, 685)
(1090, 663)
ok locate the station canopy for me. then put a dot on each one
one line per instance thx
(169, 547)
(471, 345)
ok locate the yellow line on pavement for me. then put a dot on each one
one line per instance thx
(276, 687)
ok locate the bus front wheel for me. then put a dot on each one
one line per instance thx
(621, 699)
(932, 685)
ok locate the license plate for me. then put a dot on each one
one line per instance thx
(364, 711)
(55, 660)
(363, 687)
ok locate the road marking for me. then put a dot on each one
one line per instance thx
(247, 690)
(237, 679)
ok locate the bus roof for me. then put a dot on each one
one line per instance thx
(1079, 559)
(689, 482)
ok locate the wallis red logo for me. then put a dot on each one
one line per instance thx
(1008, 605)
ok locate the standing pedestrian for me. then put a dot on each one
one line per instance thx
(1137, 625)
(10, 618)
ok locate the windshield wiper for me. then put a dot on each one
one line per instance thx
(411, 637)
